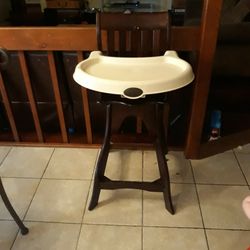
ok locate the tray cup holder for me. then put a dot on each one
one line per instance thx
(133, 93)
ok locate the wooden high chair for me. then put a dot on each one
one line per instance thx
(138, 35)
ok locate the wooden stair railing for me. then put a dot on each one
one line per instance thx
(8, 109)
(86, 111)
(201, 39)
(30, 95)
(53, 39)
(59, 106)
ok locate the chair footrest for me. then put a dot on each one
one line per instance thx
(155, 186)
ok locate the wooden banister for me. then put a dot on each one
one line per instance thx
(57, 95)
(85, 102)
(73, 38)
(8, 109)
(79, 38)
(30, 95)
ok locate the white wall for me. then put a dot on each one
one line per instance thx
(4, 9)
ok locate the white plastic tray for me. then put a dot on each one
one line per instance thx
(133, 77)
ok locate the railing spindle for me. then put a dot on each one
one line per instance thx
(86, 111)
(30, 95)
(57, 95)
(156, 42)
(8, 109)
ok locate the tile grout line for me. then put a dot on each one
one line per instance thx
(33, 196)
(40, 181)
(142, 221)
(239, 165)
(85, 179)
(136, 226)
(198, 198)
(219, 184)
(45, 178)
(86, 203)
(84, 223)
(7, 154)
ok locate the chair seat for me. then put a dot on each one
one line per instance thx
(133, 77)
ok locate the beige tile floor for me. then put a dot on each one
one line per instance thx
(50, 189)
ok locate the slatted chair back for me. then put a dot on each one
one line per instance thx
(134, 34)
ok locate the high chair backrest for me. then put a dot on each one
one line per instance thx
(133, 34)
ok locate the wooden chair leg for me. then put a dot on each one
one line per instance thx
(163, 168)
(161, 185)
(24, 230)
(162, 164)
(102, 160)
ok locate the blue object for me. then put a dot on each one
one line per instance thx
(216, 119)
(71, 131)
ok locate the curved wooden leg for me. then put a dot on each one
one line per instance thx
(24, 230)
(163, 168)
(162, 164)
(102, 160)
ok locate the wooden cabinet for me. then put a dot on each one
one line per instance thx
(67, 4)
